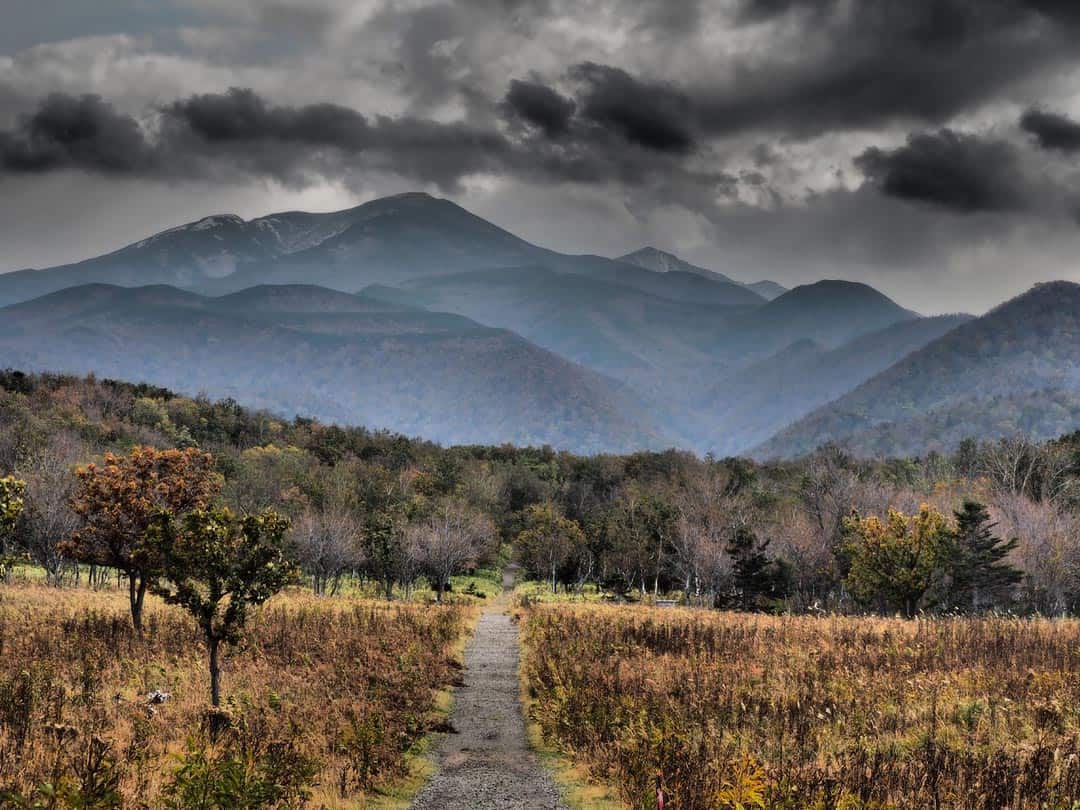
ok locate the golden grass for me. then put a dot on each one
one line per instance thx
(350, 685)
(575, 787)
(800, 712)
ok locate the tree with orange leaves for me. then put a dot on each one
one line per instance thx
(118, 501)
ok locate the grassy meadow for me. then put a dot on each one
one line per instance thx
(328, 701)
(731, 710)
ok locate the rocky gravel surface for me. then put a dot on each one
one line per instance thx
(487, 762)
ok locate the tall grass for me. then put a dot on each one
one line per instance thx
(325, 697)
(797, 712)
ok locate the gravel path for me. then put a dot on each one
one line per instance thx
(487, 763)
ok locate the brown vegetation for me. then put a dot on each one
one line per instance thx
(325, 698)
(740, 711)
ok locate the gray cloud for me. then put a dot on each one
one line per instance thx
(241, 116)
(737, 132)
(67, 132)
(1052, 130)
(239, 134)
(648, 114)
(541, 106)
(953, 170)
(210, 135)
(874, 62)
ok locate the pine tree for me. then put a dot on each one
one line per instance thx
(980, 575)
(755, 577)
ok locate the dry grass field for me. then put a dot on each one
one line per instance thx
(326, 698)
(744, 711)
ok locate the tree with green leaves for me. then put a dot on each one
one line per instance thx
(896, 562)
(383, 547)
(980, 576)
(12, 492)
(548, 541)
(11, 503)
(216, 566)
(649, 527)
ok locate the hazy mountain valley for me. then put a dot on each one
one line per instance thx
(394, 313)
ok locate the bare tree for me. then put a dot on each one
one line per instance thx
(1048, 552)
(48, 517)
(701, 558)
(827, 492)
(1018, 465)
(711, 509)
(448, 542)
(327, 544)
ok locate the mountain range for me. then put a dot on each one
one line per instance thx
(411, 314)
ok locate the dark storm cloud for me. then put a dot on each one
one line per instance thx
(75, 132)
(1052, 130)
(238, 132)
(654, 115)
(541, 106)
(960, 172)
(298, 145)
(874, 62)
(241, 115)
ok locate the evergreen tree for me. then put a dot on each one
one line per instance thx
(980, 575)
(755, 577)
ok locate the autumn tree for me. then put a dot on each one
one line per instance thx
(1047, 552)
(119, 500)
(895, 562)
(449, 541)
(216, 566)
(548, 540)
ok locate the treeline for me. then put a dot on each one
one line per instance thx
(992, 527)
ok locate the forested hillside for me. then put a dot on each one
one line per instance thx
(383, 365)
(718, 532)
(1016, 369)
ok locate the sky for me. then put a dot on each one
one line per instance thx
(930, 148)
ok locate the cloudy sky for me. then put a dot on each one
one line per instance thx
(928, 147)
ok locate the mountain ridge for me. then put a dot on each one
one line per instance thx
(662, 261)
(1022, 346)
(517, 392)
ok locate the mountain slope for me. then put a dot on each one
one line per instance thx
(674, 354)
(612, 327)
(386, 239)
(432, 374)
(752, 404)
(767, 289)
(828, 312)
(661, 261)
(955, 386)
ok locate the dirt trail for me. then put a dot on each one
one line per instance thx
(488, 763)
